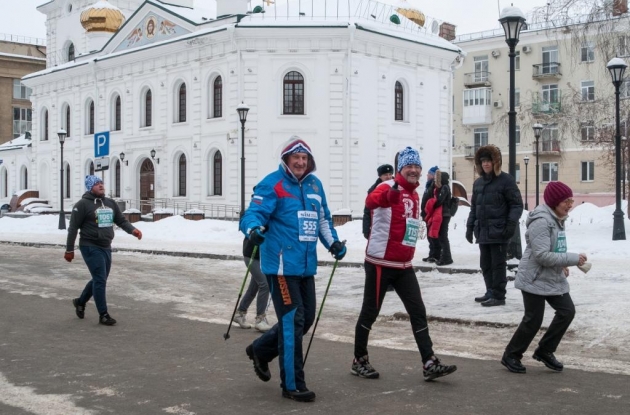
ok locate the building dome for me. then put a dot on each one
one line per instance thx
(102, 17)
(410, 12)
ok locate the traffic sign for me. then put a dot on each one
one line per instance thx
(101, 163)
(101, 144)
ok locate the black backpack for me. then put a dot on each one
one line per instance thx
(454, 205)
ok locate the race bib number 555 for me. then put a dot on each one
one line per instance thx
(309, 225)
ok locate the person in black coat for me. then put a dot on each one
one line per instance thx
(495, 210)
(385, 172)
(444, 199)
(434, 254)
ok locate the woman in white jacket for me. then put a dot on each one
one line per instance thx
(542, 277)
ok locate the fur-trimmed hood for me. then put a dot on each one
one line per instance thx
(495, 155)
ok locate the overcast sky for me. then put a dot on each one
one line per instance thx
(20, 17)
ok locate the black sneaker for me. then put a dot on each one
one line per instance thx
(441, 262)
(429, 259)
(435, 369)
(78, 308)
(493, 302)
(362, 368)
(484, 297)
(548, 359)
(260, 367)
(303, 395)
(512, 364)
(106, 320)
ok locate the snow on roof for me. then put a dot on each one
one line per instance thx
(197, 15)
(101, 4)
(16, 143)
(14, 55)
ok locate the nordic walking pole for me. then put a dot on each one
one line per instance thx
(251, 261)
(320, 309)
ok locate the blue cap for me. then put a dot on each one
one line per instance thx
(91, 181)
(433, 169)
(408, 156)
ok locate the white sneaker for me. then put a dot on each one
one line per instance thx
(241, 319)
(261, 323)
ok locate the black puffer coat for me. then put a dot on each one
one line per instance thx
(367, 214)
(444, 196)
(496, 200)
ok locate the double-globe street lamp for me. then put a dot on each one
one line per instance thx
(538, 128)
(242, 110)
(512, 19)
(526, 160)
(617, 67)
(62, 216)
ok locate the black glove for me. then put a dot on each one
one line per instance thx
(509, 229)
(469, 234)
(256, 236)
(393, 195)
(338, 250)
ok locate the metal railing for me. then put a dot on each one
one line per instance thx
(210, 210)
(470, 151)
(552, 146)
(477, 78)
(6, 37)
(546, 69)
(545, 107)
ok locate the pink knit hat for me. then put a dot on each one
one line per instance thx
(556, 193)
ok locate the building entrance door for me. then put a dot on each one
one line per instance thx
(147, 186)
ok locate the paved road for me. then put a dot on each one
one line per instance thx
(163, 358)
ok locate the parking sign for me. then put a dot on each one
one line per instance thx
(101, 144)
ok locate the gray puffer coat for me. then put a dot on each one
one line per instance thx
(540, 271)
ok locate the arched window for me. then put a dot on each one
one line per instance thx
(24, 178)
(91, 168)
(217, 101)
(117, 179)
(117, 114)
(148, 108)
(217, 174)
(90, 118)
(398, 102)
(181, 103)
(67, 180)
(293, 93)
(67, 120)
(181, 188)
(4, 177)
(45, 125)
(71, 52)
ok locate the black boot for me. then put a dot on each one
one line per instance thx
(443, 262)
(485, 297)
(548, 359)
(304, 395)
(260, 366)
(78, 308)
(493, 302)
(106, 320)
(512, 364)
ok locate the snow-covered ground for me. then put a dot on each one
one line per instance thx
(599, 338)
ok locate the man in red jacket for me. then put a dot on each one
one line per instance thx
(395, 206)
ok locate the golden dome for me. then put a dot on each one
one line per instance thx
(415, 16)
(102, 17)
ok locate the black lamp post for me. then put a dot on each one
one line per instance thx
(526, 160)
(512, 20)
(122, 158)
(62, 216)
(617, 67)
(538, 128)
(242, 110)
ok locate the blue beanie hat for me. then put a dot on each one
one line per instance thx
(91, 181)
(433, 169)
(408, 156)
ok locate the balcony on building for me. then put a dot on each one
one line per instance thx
(477, 79)
(470, 151)
(543, 107)
(477, 106)
(547, 148)
(549, 70)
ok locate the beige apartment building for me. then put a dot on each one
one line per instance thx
(19, 56)
(562, 83)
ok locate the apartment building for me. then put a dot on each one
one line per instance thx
(19, 56)
(561, 82)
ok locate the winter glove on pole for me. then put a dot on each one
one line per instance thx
(469, 234)
(338, 250)
(137, 233)
(393, 195)
(509, 229)
(257, 235)
(69, 256)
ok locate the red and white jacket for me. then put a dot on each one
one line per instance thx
(389, 222)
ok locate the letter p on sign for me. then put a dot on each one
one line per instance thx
(101, 144)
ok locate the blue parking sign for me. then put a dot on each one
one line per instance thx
(101, 144)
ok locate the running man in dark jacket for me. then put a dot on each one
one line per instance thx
(95, 215)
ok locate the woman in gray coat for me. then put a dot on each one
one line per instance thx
(542, 277)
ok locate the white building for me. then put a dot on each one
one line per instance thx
(356, 85)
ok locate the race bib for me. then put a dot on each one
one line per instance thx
(561, 243)
(105, 217)
(309, 225)
(412, 230)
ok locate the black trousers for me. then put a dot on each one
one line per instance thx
(532, 320)
(405, 283)
(493, 267)
(445, 245)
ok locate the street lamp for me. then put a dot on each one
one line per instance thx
(538, 128)
(526, 160)
(617, 67)
(512, 19)
(122, 158)
(242, 110)
(62, 216)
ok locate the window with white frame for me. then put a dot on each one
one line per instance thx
(180, 114)
(44, 132)
(624, 46)
(293, 94)
(517, 61)
(549, 138)
(624, 90)
(66, 119)
(587, 131)
(399, 102)
(588, 171)
(481, 68)
(181, 175)
(477, 96)
(116, 114)
(22, 121)
(21, 91)
(217, 98)
(147, 109)
(89, 121)
(517, 97)
(480, 137)
(68, 182)
(117, 178)
(549, 172)
(70, 52)
(587, 53)
(215, 174)
(517, 173)
(588, 90)
(518, 135)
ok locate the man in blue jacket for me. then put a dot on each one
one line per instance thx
(287, 215)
